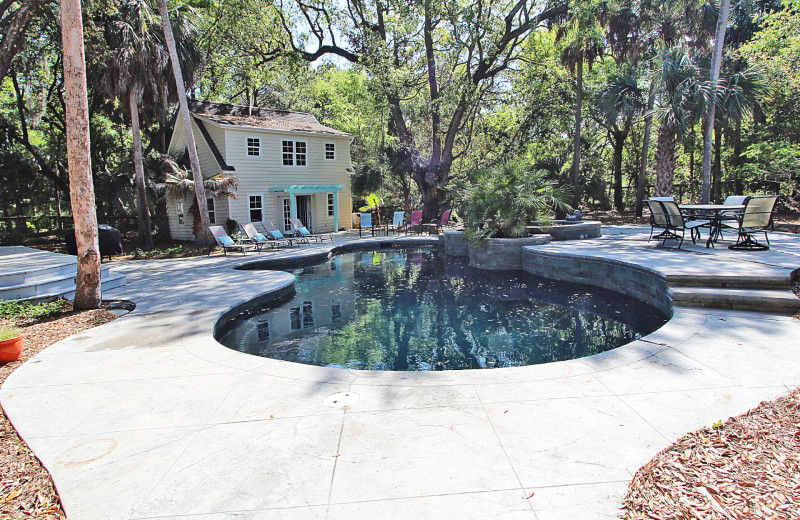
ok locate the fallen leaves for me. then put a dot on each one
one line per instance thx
(26, 490)
(745, 468)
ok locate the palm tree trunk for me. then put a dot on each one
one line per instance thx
(641, 184)
(576, 145)
(619, 146)
(708, 123)
(142, 211)
(81, 188)
(665, 160)
(199, 191)
(717, 177)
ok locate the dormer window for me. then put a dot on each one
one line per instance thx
(330, 151)
(253, 147)
(294, 153)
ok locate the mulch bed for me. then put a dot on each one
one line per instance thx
(746, 468)
(26, 490)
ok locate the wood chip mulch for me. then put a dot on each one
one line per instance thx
(746, 468)
(26, 490)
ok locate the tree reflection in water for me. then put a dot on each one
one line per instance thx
(418, 310)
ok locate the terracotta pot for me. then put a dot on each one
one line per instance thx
(11, 349)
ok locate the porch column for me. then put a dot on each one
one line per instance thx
(292, 205)
(335, 211)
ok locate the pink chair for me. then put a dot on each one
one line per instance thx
(438, 225)
(415, 222)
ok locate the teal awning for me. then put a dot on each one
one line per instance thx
(309, 188)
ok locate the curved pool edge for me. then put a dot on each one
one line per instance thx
(622, 278)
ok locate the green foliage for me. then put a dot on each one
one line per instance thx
(500, 202)
(9, 333)
(172, 252)
(14, 310)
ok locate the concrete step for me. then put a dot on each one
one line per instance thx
(107, 283)
(54, 286)
(722, 280)
(772, 300)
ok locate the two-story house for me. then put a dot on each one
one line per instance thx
(288, 165)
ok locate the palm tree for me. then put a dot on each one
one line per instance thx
(81, 192)
(681, 98)
(204, 237)
(582, 44)
(708, 120)
(134, 71)
(619, 101)
(180, 183)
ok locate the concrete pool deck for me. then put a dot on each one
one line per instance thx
(149, 417)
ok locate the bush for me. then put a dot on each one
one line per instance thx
(172, 252)
(500, 202)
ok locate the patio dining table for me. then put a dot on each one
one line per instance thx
(713, 212)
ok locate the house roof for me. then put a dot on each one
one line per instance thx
(256, 117)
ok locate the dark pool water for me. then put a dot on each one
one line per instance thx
(419, 310)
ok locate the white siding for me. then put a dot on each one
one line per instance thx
(258, 174)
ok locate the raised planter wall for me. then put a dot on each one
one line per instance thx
(503, 254)
(454, 244)
(567, 230)
(634, 281)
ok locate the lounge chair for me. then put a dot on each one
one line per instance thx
(276, 234)
(302, 231)
(415, 222)
(757, 217)
(437, 225)
(398, 222)
(365, 222)
(658, 219)
(262, 239)
(677, 221)
(227, 243)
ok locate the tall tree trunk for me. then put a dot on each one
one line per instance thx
(717, 177)
(708, 120)
(619, 146)
(576, 144)
(641, 184)
(691, 161)
(738, 188)
(81, 192)
(199, 190)
(665, 160)
(142, 211)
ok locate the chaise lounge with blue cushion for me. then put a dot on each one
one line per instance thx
(227, 243)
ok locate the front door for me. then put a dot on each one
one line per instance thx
(304, 211)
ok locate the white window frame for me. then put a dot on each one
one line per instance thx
(247, 147)
(286, 213)
(250, 208)
(179, 211)
(330, 204)
(211, 204)
(294, 153)
(332, 150)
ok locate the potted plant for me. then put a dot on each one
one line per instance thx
(11, 342)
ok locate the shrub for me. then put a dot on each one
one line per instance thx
(14, 310)
(500, 202)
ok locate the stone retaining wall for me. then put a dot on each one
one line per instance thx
(454, 244)
(635, 281)
(503, 254)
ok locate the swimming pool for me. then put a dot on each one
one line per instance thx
(416, 309)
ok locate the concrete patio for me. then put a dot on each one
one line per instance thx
(149, 417)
